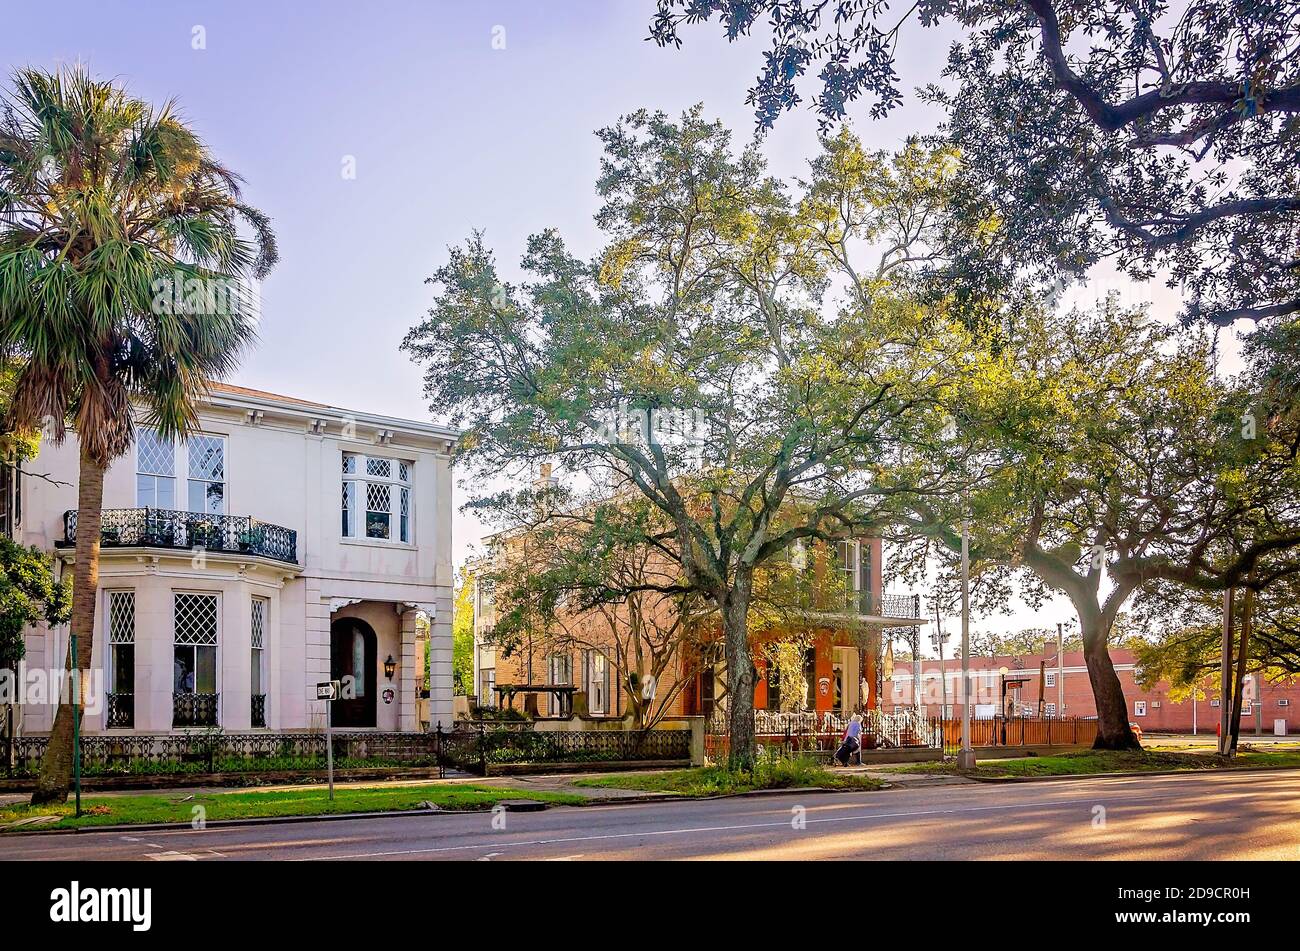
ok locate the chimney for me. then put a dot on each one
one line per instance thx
(543, 485)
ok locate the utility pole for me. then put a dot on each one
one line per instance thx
(1060, 669)
(1225, 675)
(966, 758)
(943, 674)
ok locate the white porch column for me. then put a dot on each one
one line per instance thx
(441, 708)
(407, 719)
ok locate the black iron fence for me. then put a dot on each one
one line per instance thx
(166, 528)
(470, 747)
(214, 752)
(476, 746)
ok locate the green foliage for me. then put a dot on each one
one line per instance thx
(1184, 642)
(1159, 136)
(28, 594)
(117, 227)
(786, 665)
(733, 309)
(769, 772)
(462, 636)
(115, 810)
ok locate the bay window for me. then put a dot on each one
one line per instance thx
(195, 623)
(257, 667)
(120, 607)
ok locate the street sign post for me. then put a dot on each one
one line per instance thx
(328, 691)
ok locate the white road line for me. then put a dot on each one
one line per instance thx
(784, 823)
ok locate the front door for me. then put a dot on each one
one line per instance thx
(352, 661)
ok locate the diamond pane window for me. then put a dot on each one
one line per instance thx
(195, 619)
(207, 472)
(259, 623)
(379, 507)
(386, 505)
(349, 505)
(154, 456)
(121, 639)
(194, 626)
(257, 661)
(121, 617)
(155, 485)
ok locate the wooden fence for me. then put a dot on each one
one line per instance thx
(1019, 731)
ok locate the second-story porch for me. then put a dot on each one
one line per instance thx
(172, 529)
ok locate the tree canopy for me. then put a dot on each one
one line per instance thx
(728, 356)
(1160, 136)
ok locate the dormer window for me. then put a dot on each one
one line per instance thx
(376, 501)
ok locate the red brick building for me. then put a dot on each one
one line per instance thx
(1030, 679)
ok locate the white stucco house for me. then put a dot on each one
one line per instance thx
(285, 544)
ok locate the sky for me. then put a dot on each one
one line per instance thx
(453, 116)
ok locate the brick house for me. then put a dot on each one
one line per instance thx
(843, 667)
(1033, 678)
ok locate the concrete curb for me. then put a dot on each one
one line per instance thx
(1128, 774)
(333, 816)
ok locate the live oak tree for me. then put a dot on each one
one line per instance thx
(584, 579)
(1161, 136)
(727, 353)
(1184, 642)
(1135, 466)
(121, 269)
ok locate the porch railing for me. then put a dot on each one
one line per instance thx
(120, 711)
(194, 709)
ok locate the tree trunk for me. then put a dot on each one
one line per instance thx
(1239, 687)
(56, 766)
(740, 677)
(1113, 731)
(9, 738)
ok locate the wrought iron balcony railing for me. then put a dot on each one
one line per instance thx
(886, 605)
(194, 709)
(258, 720)
(165, 528)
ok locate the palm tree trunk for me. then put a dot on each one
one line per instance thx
(56, 765)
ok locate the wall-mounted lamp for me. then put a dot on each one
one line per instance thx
(390, 667)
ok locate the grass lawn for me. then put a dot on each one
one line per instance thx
(1092, 762)
(113, 810)
(716, 781)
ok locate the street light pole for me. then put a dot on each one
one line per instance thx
(966, 758)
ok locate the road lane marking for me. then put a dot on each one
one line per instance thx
(783, 823)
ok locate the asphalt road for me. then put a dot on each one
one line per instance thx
(1215, 816)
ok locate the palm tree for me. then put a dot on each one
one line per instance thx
(123, 270)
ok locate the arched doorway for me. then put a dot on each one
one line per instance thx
(353, 649)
